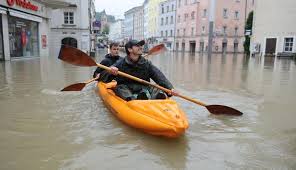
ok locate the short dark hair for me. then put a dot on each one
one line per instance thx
(113, 44)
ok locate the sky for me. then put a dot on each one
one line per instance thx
(116, 7)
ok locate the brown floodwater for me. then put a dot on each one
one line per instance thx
(43, 128)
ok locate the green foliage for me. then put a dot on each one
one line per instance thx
(106, 30)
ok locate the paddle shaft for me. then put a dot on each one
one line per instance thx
(91, 80)
(148, 83)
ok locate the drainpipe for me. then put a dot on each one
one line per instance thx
(211, 26)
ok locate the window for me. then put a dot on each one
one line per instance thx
(192, 31)
(168, 8)
(184, 30)
(203, 28)
(162, 9)
(173, 7)
(178, 32)
(166, 33)
(171, 33)
(68, 18)
(235, 30)
(236, 14)
(204, 13)
(161, 33)
(179, 19)
(179, 4)
(224, 29)
(192, 15)
(288, 46)
(185, 17)
(225, 13)
(166, 20)
(172, 20)
(185, 2)
(161, 21)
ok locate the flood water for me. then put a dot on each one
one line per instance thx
(43, 128)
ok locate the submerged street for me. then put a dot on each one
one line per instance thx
(43, 128)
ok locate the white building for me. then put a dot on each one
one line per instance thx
(166, 27)
(24, 27)
(128, 24)
(145, 19)
(134, 23)
(116, 32)
(274, 27)
(139, 23)
(73, 26)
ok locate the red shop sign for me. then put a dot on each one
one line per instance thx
(23, 3)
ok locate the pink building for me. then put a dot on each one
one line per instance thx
(228, 25)
(186, 25)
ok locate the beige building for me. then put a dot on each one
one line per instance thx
(274, 27)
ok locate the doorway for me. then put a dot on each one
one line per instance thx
(183, 47)
(192, 45)
(270, 46)
(201, 47)
(70, 42)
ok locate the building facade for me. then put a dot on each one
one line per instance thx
(145, 20)
(153, 20)
(24, 25)
(138, 23)
(129, 24)
(192, 26)
(166, 28)
(73, 26)
(186, 25)
(274, 27)
(117, 31)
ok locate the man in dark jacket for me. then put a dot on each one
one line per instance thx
(136, 65)
(109, 60)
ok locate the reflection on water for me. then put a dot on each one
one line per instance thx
(43, 128)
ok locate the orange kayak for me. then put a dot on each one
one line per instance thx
(156, 117)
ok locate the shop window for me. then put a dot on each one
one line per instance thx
(23, 37)
(68, 17)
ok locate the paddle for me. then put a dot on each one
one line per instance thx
(76, 57)
(79, 86)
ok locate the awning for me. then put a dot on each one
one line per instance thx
(3, 10)
(24, 15)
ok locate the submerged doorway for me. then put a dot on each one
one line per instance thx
(69, 41)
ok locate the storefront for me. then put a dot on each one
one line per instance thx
(23, 37)
(22, 24)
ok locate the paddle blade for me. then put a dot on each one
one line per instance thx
(74, 87)
(220, 109)
(157, 49)
(76, 57)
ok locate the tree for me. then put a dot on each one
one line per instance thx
(106, 30)
(248, 26)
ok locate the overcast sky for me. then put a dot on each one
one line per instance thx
(116, 7)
